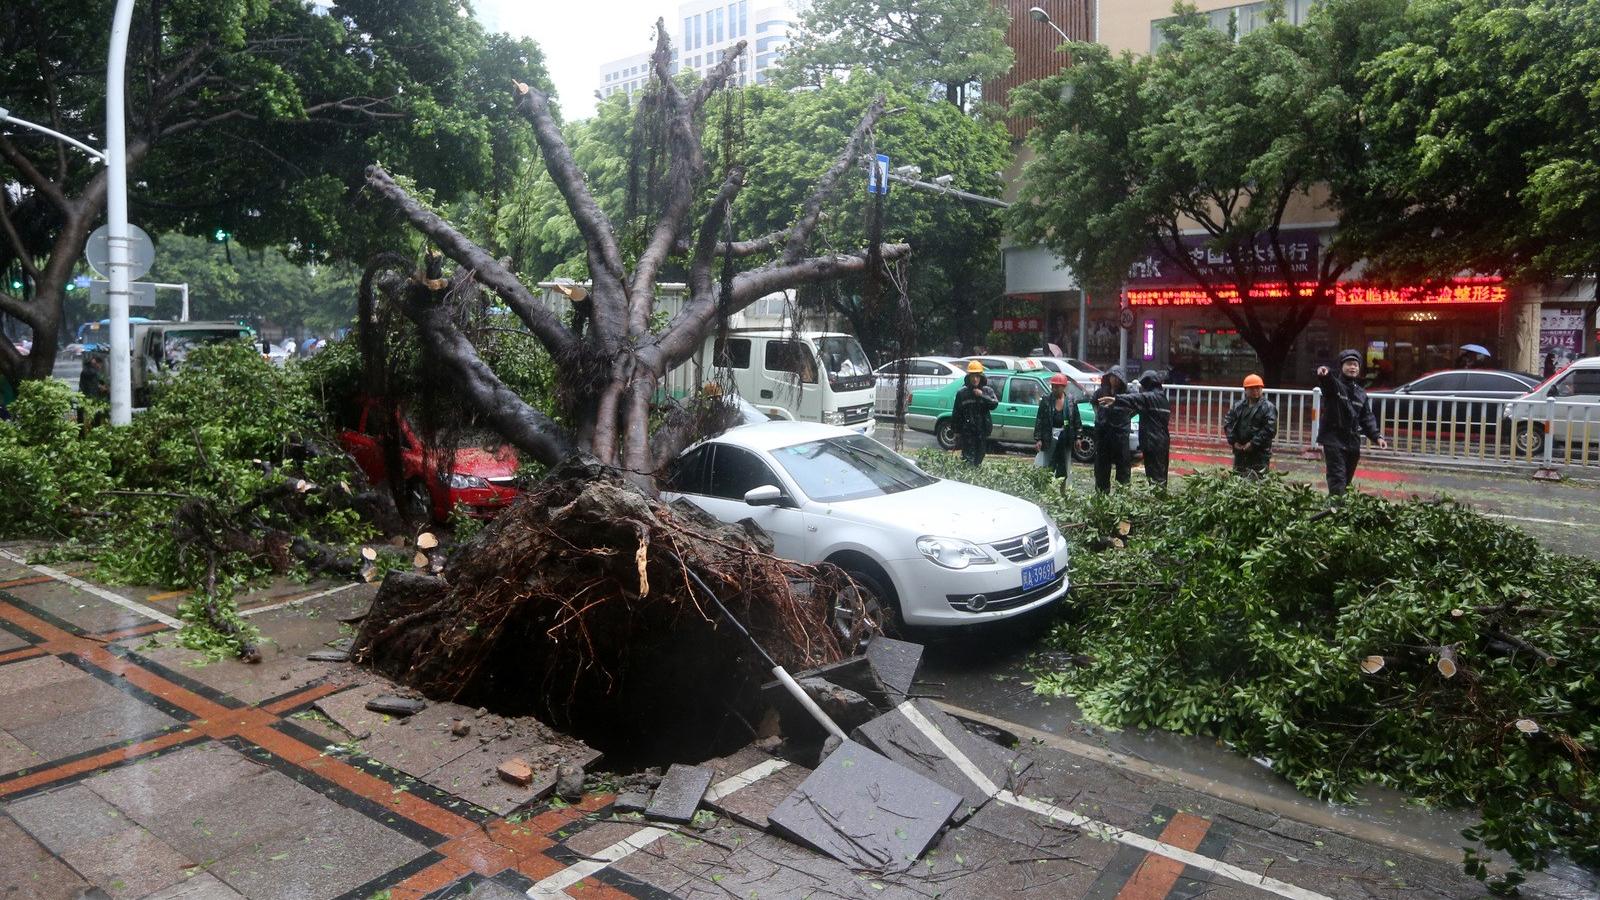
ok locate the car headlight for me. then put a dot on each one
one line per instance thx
(833, 417)
(462, 481)
(952, 553)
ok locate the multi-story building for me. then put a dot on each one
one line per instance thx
(1402, 331)
(703, 31)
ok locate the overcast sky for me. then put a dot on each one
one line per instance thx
(577, 36)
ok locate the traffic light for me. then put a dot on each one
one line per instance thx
(16, 284)
(71, 287)
(220, 236)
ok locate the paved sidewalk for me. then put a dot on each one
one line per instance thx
(129, 770)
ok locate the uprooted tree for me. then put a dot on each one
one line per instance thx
(612, 362)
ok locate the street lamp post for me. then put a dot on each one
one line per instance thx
(117, 214)
(1039, 15)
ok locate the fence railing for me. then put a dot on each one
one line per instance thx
(1543, 433)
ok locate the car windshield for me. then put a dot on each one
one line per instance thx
(848, 468)
(1083, 366)
(842, 357)
(178, 344)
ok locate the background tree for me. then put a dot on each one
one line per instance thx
(264, 286)
(613, 368)
(1483, 123)
(252, 116)
(789, 137)
(1210, 134)
(950, 45)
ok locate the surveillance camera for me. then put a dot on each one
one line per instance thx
(944, 180)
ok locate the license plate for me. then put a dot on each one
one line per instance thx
(1038, 574)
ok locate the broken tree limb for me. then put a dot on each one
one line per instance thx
(540, 319)
(1545, 656)
(1446, 663)
(1372, 665)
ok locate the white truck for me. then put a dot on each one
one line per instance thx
(787, 373)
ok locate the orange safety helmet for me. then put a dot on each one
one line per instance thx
(1058, 379)
(975, 368)
(1254, 380)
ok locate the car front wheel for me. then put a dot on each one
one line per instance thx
(945, 433)
(877, 598)
(419, 503)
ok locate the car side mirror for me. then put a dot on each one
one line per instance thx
(765, 495)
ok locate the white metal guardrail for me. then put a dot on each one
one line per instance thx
(1540, 433)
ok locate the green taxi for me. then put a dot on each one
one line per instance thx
(1019, 392)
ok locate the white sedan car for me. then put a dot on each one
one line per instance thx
(934, 552)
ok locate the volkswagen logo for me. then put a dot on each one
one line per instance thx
(1036, 545)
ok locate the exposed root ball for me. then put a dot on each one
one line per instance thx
(573, 605)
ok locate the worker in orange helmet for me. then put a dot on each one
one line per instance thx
(1250, 427)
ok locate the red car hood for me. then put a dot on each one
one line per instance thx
(501, 463)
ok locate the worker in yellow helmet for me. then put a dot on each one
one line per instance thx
(971, 418)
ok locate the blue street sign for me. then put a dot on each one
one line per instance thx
(878, 175)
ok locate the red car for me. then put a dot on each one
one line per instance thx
(479, 476)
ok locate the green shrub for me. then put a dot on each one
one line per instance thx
(1244, 609)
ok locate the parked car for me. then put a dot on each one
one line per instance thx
(276, 354)
(1442, 400)
(1576, 417)
(1019, 394)
(1004, 363)
(921, 372)
(924, 551)
(1087, 376)
(480, 474)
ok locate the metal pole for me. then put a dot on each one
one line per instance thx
(953, 192)
(117, 214)
(185, 302)
(1083, 324)
(6, 116)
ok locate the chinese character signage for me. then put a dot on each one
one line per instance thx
(1458, 292)
(1018, 325)
(1299, 246)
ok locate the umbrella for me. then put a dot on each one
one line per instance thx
(1477, 348)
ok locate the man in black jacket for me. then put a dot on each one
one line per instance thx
(1346, 416)
(971, 418)
(1112, 425)
(1155, 414)
(1251, 426)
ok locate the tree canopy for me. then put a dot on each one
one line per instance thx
(1484, 128)
(1214, 134)
(254, 117)
(947, 44)
(789, 138)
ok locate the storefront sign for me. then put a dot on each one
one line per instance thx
(1461, 291)
(1561, 331)
(1299, 245)
(1019, 325)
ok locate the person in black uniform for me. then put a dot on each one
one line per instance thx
(1251, 426)
(1346, 416)
(1150, 404)
(971, 416)
(1057, 425)
(1112, 424)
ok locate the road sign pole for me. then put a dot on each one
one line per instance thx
(117, 214)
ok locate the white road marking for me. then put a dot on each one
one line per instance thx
(1540, 521)
(299, 600)
(555, 886)
(1100, 829)
(102, 593)
(744, 779)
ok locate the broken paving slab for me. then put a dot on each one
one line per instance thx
(900, 736)
(393, 705)
(424, 747)
(895, 663)
(680, 794)
(865, 811)
(752, 804)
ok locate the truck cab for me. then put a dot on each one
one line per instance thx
(159, 347)
(809, 376)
